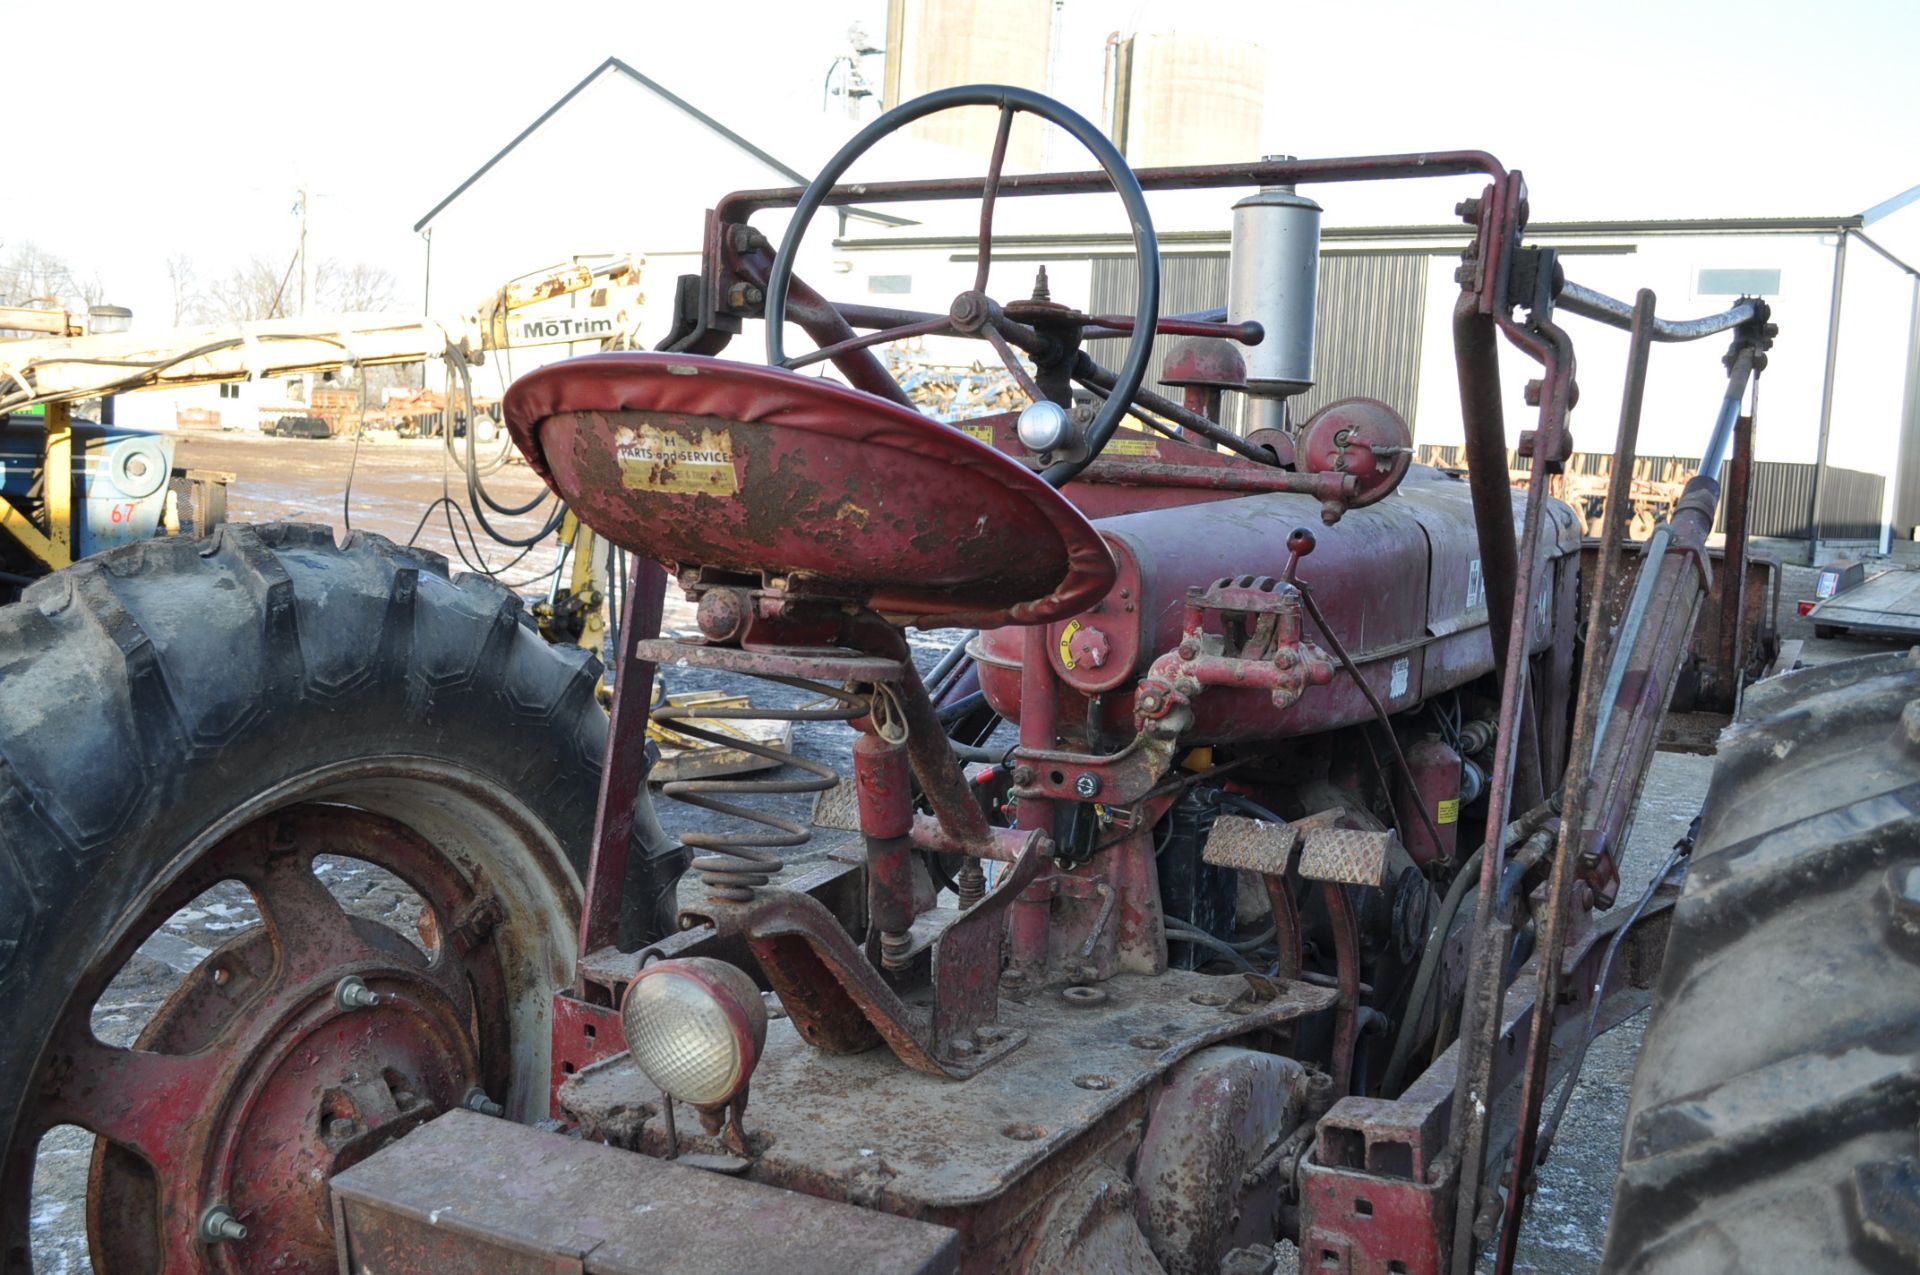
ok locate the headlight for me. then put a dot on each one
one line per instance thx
(696, 1027)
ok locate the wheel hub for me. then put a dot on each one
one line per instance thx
(293, 1051)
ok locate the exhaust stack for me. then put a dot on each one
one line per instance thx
(1273, 279)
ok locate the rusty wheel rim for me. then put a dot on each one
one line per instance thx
(257, 1079)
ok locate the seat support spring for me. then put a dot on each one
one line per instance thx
(732, 863)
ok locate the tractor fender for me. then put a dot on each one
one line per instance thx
(1221, 1111)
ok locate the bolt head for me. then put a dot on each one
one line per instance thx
(340, 1128)
(1087, 785)
(218, 1225)
(476, 1100)
(352, 992)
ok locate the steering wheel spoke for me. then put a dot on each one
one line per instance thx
(989, 191)
(926, 327)
(973, 313)
(1015, 367)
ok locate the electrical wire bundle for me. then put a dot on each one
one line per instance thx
(478, 499)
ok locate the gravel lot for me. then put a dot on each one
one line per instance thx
(298, 479)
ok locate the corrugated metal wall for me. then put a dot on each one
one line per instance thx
(1850, 503)
(1369, 314)
(1188, 282)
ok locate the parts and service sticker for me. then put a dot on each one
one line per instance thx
(682, 458)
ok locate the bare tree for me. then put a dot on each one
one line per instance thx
(355, 288)
(32, 276)
(262, 289)
(183, 277)
(256, 289)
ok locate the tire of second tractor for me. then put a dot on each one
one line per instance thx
(1773, 1120)
(156, 697)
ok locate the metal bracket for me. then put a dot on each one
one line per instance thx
(840, 1003)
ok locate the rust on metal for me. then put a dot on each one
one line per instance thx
(210, 1103)
(623, 776)
(465, 1193)
(978, 1156)
(1349, 856)
(838, 807)
(1251, 845)
(1395, 1153)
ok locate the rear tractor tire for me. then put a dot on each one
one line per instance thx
(181, 716)
(1775, 1118)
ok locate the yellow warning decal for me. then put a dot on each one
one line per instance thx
(686, 459)
(1066, 641)
(982, 432)
(1132, 447)
(1448, 811)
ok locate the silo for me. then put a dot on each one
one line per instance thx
(935, 44)
(1188, 99)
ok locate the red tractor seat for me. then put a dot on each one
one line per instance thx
(696, 461)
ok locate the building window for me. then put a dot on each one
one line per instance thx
(1737, 283)
(229, 389)
(892, 284)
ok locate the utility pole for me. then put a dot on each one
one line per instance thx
(303, 248)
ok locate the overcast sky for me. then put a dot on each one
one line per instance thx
(138, 130)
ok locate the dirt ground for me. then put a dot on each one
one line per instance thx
(392, 486)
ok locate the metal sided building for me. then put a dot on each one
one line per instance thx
(1841, 399)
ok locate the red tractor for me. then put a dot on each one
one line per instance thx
(1319, 769)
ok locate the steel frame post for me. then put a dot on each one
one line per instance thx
(1500, 216)
(589, 575)
(625, 770)
(1729, 662)
(1486, 988)
(59, 483)
(1826, 399)
(1564, 873)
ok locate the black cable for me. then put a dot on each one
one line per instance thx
(353, 463)
(478, 500)
(951, 713)
(1677, 859)
(1179, 931)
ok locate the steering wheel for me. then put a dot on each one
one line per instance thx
(973, 312)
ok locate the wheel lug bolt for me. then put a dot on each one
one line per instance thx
(477, 1100)
(351, 993)
(218, 1225)
(340, 1128)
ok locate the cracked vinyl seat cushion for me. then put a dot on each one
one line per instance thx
(696, 461)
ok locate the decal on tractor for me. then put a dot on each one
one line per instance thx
(677, 458)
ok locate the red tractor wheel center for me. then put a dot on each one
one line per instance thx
(292, 1052)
